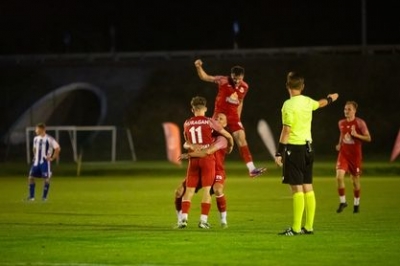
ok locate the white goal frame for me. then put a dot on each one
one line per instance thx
(72, 130)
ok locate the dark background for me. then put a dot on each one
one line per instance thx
(141, 95)
(144, 93)
(72, 26)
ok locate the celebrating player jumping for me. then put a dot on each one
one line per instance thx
(229, 101)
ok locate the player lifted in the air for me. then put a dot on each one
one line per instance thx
(229, 101)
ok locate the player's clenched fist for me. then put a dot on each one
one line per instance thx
(198, 63)
(333, 96)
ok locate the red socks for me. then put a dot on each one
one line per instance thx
(205, 208)
(221, 203)
(245, 154)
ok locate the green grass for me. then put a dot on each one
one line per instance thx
(129, 219)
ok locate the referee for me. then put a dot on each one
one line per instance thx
(295, 153)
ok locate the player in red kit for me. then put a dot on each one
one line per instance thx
(219, 149)
(229, 101)
(220, 176)
(198, 131)
(353, 131)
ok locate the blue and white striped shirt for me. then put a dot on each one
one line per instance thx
(43, 146)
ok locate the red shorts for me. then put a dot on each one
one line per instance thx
(219, 178)
(349, 165)
(198, 187)
(201, 171)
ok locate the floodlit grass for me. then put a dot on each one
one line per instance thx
(129, 220)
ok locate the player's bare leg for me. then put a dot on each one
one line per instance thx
(341, 190)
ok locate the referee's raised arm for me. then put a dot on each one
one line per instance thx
(330, 98)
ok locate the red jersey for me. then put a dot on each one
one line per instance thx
(351, 146)
(229, 96)
(350, 153)
(198, 130)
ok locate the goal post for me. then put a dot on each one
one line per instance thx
(73, 136)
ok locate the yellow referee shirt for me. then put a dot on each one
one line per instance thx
(297, 114)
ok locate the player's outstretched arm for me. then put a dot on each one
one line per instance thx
(330, 98)
(202, 74)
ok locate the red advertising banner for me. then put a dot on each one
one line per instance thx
(396, 148)
(172, 142)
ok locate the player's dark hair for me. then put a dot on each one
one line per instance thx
(237, 70)
(198, 102)
(294, 80)
(355, 105)
(41, 125)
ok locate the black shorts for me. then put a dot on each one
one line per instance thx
(298, 163)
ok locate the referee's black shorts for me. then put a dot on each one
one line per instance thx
(298, 165)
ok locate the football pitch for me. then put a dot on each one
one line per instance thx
(129, 219)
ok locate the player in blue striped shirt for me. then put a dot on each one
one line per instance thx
(45, 150)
